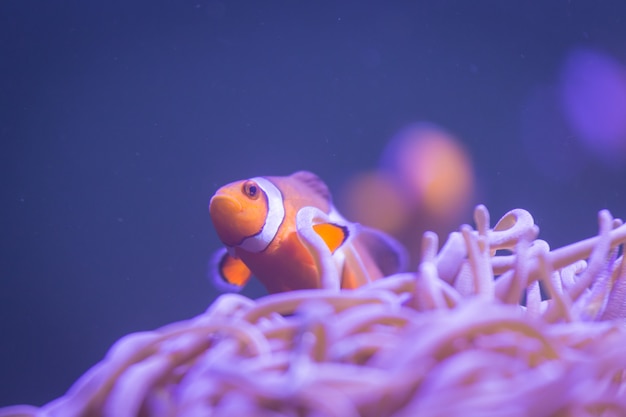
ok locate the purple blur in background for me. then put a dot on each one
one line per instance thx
(120, 119)
(594, 102)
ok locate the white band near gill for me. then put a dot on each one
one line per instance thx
(275, 217)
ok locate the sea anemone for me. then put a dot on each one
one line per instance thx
(492, 324)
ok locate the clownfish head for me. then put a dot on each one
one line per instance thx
(247, 214)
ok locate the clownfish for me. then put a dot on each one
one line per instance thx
(286, 232)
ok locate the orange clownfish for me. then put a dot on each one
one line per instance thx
(286, 232)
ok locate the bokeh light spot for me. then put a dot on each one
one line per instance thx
(373, 199)
(434, 170)
(425, 182)
(593, 90)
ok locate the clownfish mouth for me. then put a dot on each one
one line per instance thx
(223, 209)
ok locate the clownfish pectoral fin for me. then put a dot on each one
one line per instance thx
(334, 235)
(228, 273)
(390, 256)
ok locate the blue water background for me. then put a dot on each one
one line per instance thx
(119, 119)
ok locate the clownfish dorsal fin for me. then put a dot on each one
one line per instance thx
(229, 273)
(334, 235)
(314, 183)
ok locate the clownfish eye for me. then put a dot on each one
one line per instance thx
(251, 189)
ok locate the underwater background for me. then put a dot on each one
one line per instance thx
(120, 119)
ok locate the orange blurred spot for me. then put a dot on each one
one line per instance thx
(373, 199)
(435, 168)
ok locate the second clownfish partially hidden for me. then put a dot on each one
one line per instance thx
(286, 232)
